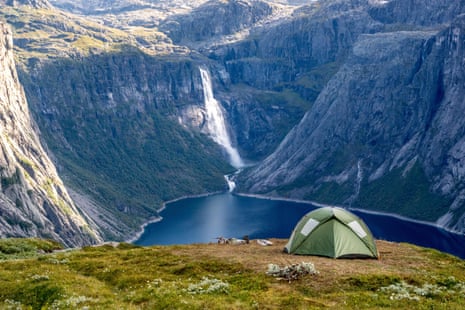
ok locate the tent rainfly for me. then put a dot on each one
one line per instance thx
(332, 232)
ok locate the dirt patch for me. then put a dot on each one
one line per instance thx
(257, 257)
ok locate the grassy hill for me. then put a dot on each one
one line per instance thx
(213, 276)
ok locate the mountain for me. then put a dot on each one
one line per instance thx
(33, 199)
(111, 110)
(342, 102)
(385, 132)
(37, 4)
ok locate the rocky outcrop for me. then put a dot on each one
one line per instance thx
(33, 3)
(215, 18)
(33, 199)
(415, 12)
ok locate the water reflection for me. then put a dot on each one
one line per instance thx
(214, 216)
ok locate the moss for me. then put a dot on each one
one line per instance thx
(86, 43)
(15, 178)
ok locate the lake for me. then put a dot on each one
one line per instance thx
(203, 219)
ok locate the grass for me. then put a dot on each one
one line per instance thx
(213, 276)
(16, 248)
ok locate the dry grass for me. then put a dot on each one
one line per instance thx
(257, 257)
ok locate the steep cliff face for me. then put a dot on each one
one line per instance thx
(444, 148)
(33, 199)
(384, 133)
(415, 12)
(287, 63)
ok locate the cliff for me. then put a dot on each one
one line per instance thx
(33, 199)
(32, 3)
(384, 133)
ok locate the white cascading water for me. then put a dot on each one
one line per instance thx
(216, 125)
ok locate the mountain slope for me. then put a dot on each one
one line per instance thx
(33, 199)
(385, 132)
(118, 139)
(111, 112)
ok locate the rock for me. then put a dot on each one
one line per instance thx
(33, 199)
(393, 105)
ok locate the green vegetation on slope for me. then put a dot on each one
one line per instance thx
(117, 141)
(16, 248)
(217, 276)
(407, 194)
(138, 167)
(397, 193)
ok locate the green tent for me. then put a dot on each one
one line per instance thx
(332, 232)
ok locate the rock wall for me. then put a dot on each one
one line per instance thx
(386, 120)
(33, 199)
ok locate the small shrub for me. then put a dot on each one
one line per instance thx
(38, 295)
(292, 272)
(25, 247)
(403, 290)
(208, 286)
(72, 302)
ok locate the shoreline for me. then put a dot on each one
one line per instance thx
(159, 218)
(141, 230)
(374, 212)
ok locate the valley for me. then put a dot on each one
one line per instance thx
(356, 103)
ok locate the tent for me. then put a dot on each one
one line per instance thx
(332, 232)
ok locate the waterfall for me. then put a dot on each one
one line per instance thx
(215, 122)
(231, 183)
(359, 178)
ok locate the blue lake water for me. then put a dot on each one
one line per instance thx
(203, 219)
